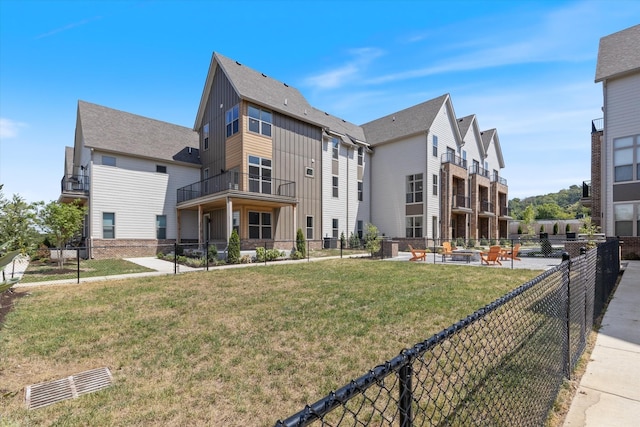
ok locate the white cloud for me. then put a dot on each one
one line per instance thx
(9, 128)
(332, 79)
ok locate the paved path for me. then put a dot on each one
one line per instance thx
(609, 391)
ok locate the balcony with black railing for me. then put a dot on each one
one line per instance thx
(453, 158)
(476, 169)
(74, 184)
(585, 200)
(460, 203)
(240, 182)
(505, 212)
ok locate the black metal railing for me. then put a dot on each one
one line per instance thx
(586, 189)
(74, 184)
(504, 211)
(458, 201)
(500, 180)
(453, 158)
(236, 181)
(486, 206)
(503, 365)
(479, 170)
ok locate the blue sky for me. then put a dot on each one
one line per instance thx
(525, 68)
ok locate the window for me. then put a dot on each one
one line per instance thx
(360, 192)
(108, 225)
(108, 160)
(205, 177)
(495, 175)
(308, 172)
(259, 225)
(451, 155)
(161, 227)
(236, 221)
(232, 120)
(161, 169)
(435, 185)
(435, 146)
(259, 121)
(309, 228)
(334, 228)
(205, 136)
(335, 185)
(464, 159)
(623, 217)
(486, 169)
(414, 226)
(335, 145)
(414, 188)
(476, 167)
(259, 175)
(359, 228)
(623, 158)
(360, 156)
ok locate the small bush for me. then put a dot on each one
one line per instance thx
(471, 243)
(484, 242)
(354, 241)
(212, 253)
(520, 229)
(301, 245)
(263, 254)
(555, 228)
(246, 259)
(297, 255)
(233, 252)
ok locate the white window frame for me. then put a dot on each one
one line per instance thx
(335, 182)
(161, 229)
(111, 228)
(413, 224)
(434, 142)
(309, 227)
(335, 228)
(261, 119)
(108, 160)
(435, 185)
(232, 120)
(335, 148)
(262, 181)
(413, 193)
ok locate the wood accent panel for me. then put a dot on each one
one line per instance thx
(233, 151)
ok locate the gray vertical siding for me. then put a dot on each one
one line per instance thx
(295, 145)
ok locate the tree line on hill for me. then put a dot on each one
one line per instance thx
(565, 204)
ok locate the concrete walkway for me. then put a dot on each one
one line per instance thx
(609, 391)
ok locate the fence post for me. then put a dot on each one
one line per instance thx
(78, 261)
(567, 353)
(175, 258)
(404, 404)
(340, 248)
(206, 254)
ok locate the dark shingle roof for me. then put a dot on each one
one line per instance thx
(261, 89)
(489, 136)
(407, 122)
(464, 124)
(120, 132)
(619, 54)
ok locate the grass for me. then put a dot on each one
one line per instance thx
(229, 347)
(40, 271)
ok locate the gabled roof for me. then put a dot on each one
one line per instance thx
(619, 54)
(263, 90)
(489, 136)
(410, 121)
(116, 131)
(469, 124)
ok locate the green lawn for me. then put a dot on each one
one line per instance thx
(229, 347)
(39, 271)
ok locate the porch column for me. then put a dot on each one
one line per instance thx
(295, 222)
(229, 217)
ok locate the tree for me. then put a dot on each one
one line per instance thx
(233, 252)
(590, 230)
(18, 222)
(528, 215)
(551, 211)
(371, 239)
(62, 222)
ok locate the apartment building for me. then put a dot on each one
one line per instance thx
(615, 163)
(260, 159)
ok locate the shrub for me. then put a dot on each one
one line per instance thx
(354, 241)
(263, 254)
(492, 242)
(459, 242)
(246, 259)
(555, 228)
(301, 245)
(343, 241)
(297, 255)
(212, 253)
(484, 241)
(520, 229)
(372, 241)
(233, 252)
(471, 243)
(567, 229)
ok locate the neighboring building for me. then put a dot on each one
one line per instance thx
(260, 159)
(127, 169)
(615, 174)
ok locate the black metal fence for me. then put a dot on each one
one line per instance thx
(501, 366)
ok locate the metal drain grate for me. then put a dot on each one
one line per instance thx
(43, 394)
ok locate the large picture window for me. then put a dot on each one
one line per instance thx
(414, 188)
(259, 175)
(259, 225)
(232, 119)
(260, 121)
(414, 226)
(108, 225)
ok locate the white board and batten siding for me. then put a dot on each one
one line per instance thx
(136, 193)
(621, 119)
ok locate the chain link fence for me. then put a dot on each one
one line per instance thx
(501, 366)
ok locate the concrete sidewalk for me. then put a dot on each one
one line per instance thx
(609, 391)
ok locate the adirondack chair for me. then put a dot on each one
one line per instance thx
(5, 260)
(447, 250)
(492, 257)
(418, 254)
(511, 254)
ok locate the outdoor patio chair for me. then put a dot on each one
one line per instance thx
(511, 254)
(447, 250)
(492, 257)
(418, 254)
